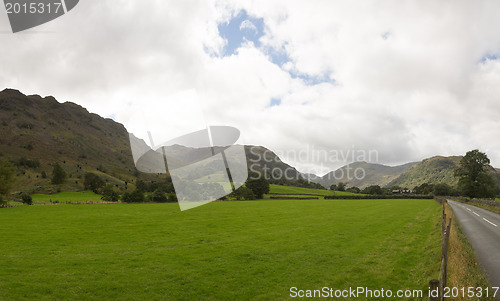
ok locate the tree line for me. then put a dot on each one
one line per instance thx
(476, 179)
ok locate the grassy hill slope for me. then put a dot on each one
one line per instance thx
(291, 190)
(433, 170)
(363, 174)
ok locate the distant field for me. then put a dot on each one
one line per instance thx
(221, 251)
(67, 197)
(290, 190)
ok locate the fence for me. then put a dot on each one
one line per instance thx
(440, 283)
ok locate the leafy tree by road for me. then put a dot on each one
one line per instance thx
(474, 180)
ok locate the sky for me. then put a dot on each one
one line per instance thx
(404, 79)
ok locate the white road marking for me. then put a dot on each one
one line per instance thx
(468, 209)
(476, 213)
(490, 222)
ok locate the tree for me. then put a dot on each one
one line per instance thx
(6, 176)
(243, 193)
(92, 182)
(443, 189)
(27, 199)
(141, 185)
(474, 179)
(426, 190)
(158, 196)
(353, 189)
(172, 197)
(373, 189)
(333, 187)
(136, 196)
(341, 186)
(109, 195)
(58, 174)
(258, 185)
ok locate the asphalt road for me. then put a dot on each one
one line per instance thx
(482, 229)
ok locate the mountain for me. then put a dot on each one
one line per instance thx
(363, 174)
(37, 132)
(433, 170)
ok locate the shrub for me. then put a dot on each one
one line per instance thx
(158, 197)
(109, 195)
(26, 198)
(172, 197)
(259, 186)
(30, 163)
(243, 193)
(136, 196)
(92, 182)
(58, 174)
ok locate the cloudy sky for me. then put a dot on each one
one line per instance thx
(408, 79)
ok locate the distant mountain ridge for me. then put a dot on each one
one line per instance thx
(434, 170)
(363, 174)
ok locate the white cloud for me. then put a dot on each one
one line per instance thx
(410, 78)
(248, 25)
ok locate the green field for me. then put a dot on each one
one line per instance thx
(221, 251)
(67, 197)
(291, 190)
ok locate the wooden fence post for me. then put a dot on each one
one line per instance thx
(433, 287)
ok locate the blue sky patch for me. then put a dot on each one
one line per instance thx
(241, 28)
(275, 102)
(312, 80)
(489, 57)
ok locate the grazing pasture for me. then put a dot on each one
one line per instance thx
(220, 251)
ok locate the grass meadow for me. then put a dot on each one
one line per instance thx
(252, 250)
(295, 191)
(66, 197)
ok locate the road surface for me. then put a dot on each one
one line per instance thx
(482, 228)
